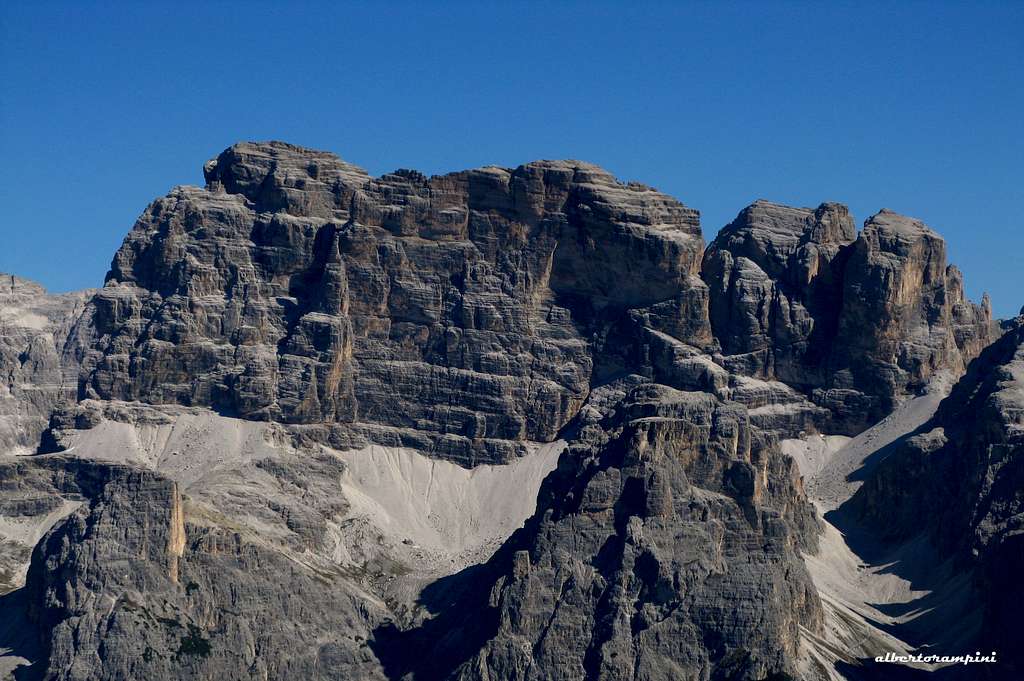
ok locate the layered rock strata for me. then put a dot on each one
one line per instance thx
(665, 547)
(855, 321)
(38, 371)
(457, 313)
(264, 427)
(135, 585)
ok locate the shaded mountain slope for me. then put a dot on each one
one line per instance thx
(499, 423)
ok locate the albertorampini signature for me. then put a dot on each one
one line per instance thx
(938, 659)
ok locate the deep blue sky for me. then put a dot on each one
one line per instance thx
(916, 107)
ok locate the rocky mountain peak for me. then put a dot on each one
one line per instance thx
(39, 368)
(290, 277)
(496, 423)
(296, 288)
(772, 235)
(268, 173)
(852, 319)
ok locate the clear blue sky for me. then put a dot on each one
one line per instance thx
(916, 107)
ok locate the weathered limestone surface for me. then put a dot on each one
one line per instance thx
(296, 307)
(775, 275)
(460, 309)
(134, 585)
(468, 312)
(38, 373)
(665, 547)
(855, 321)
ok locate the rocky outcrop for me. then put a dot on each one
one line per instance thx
(959, 479)
(775, 276)
(465, 313)
(38, 372)
(669, 537)
(856, 322)
(33, 498)
(211, 505)
(665, 547)
(904, 314)
(132, 585)
(460, 313)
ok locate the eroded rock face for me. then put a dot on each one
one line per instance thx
(465, 313)
(904, 315)
(133, 585)
(854, 321)
(461, 309)
(775, 277)
(466, 317)
(38, 372)
(669, 538)
(960, 480)
(665, 548)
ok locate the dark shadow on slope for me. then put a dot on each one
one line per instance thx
(948, 614)
(946, 619)
(460, 625)
(463, 619)
(877, 457)
(18, 637)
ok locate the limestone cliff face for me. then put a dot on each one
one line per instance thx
(855, 321)
(466, 313)
(775, 275)
(467, 317)
(904, 315)
(960, 480)
(665, 547)
(673, 556)
(667, 542)
(131, 586)
(38, 372)
(460, 312)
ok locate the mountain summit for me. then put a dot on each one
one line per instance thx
(504, 423)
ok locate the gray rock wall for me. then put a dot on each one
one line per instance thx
(296, 288)
(464, 316)
(854, 321)
(665, 548)
(38, 371)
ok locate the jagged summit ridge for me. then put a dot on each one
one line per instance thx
(856, 321)
(296, 288)
(247, 479)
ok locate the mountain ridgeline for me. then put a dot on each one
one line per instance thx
(204, 501)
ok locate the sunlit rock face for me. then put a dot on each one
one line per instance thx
(461, 312)
(39, 372)
(855, 321)
(504, 423)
